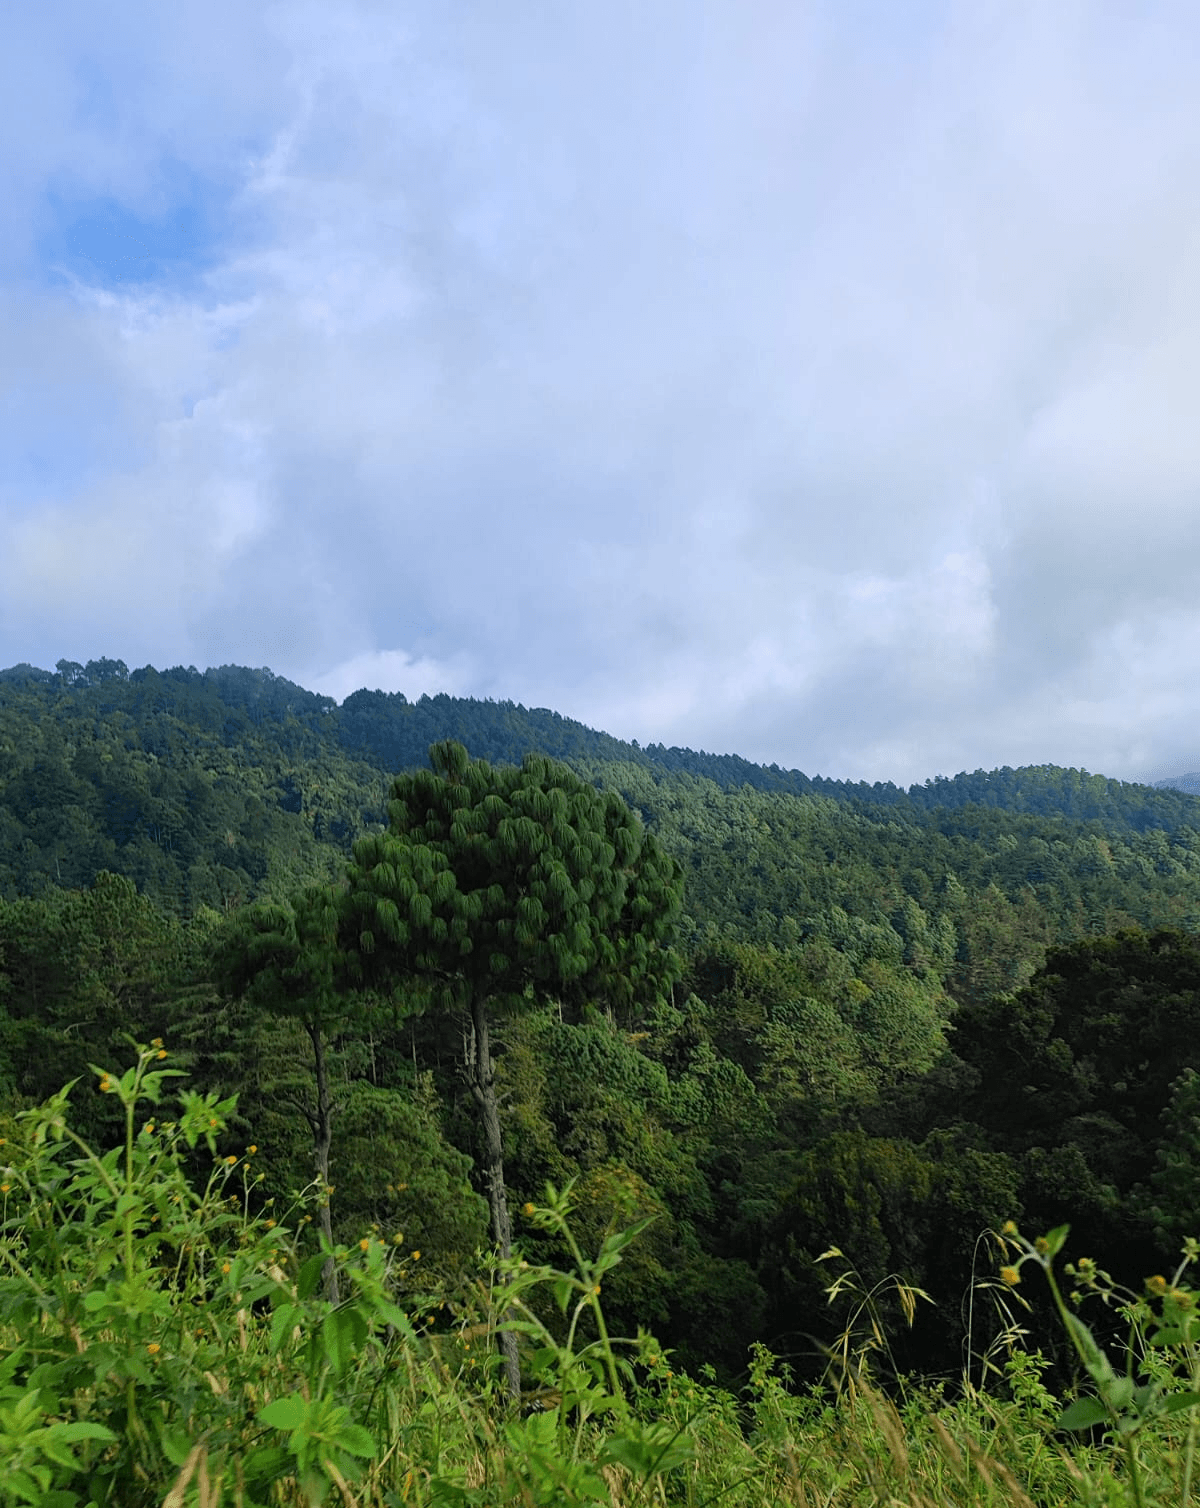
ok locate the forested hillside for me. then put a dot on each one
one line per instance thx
(897, 1018)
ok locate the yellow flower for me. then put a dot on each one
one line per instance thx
(251, 1150)
(226, 1268)
(416, 1256)
(156, 1042)
(270, 1225)
(106, 1085)
(162, 1052)
(5, 1187)
(1157, 1284)
(398, 1238)
(1042, 1246)
(230, 1161)
(154, 1348)
(528, 1209)
(148, 1128)
(1009, 1228)
(1010, 1275)
(364, 1245)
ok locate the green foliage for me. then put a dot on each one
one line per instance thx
(128, 1301)
(1161, 1374)
(1079, 1075)
(162, 1344)
(512, 880)
(833, 933)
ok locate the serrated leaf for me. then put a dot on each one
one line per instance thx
(356, 1439)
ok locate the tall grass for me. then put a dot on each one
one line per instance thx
(165, 1342)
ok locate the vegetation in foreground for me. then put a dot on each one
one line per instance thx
(161, 1343)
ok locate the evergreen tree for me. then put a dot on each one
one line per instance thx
(504, 887)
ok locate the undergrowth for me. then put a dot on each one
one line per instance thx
(169, 1343)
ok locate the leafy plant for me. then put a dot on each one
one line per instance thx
(1161, 1373)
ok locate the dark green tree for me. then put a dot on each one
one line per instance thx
(504, 887)
(284, 959)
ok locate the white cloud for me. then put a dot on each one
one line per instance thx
(789, 381)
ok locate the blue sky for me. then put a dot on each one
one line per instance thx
(763, 377)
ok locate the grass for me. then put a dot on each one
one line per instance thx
(169, 1344)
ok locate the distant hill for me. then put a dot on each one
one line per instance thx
(391, 733)
(211, 789)
(1189, 783)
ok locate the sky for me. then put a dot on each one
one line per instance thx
(817, 382)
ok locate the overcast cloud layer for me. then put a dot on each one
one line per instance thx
(812, 382)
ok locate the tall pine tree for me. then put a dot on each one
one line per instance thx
(507, 886)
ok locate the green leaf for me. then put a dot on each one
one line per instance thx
(1174, 1402)
(83, 1429)
(1168, 1335)
(1083, 1414)
(310, 1276)
(356, 1439)
(343, 1332)
(1118, 1394)
(1098, 1365)
(267, 1464)
(1056, 1240)
(283, 1321)
(285, 1413)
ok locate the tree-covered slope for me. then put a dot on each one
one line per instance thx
(898, 1024)
(215, 788)
(386, 730)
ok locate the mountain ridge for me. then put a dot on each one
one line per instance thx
(389, 730)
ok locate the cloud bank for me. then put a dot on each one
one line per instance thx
(812, 383)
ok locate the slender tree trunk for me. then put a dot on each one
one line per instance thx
(481, 1076)
(322, 1130)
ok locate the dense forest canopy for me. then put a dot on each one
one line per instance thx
(903, 1017)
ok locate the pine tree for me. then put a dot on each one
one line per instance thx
(504, 887)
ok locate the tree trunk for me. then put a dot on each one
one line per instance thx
(322, 1130)
(481, 1076)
